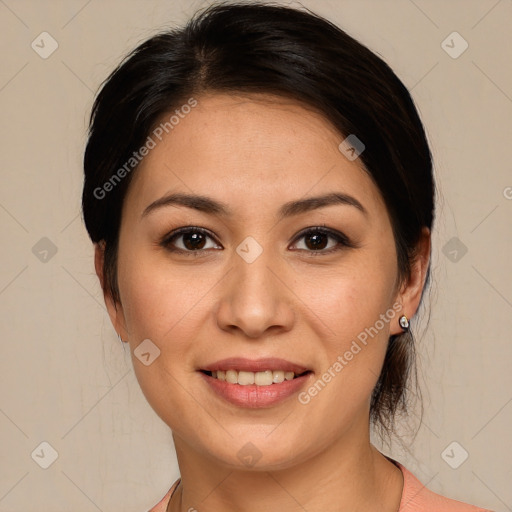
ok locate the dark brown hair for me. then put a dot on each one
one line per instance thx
(256, 47)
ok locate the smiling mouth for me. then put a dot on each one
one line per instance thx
(245, 378)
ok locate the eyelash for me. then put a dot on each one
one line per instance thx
(343, 240)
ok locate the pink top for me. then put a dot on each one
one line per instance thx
(415, 497)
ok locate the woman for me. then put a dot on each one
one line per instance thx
(259, 189)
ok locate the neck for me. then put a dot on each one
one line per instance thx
(349, 474)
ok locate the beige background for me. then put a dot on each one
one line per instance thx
(64, 377)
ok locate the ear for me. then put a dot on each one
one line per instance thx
(115, 310)
(410, 292)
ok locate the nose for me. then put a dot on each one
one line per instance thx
(255, 299)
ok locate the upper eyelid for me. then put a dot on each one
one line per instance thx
(186, 229)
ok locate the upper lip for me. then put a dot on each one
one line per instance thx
(255, 365)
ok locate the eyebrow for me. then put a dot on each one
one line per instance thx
(213, 207)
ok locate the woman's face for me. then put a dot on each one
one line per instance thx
(253, 286)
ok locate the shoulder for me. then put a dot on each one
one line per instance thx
(161, 506)
(416, 497)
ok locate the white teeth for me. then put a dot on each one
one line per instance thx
(232, 377)
(245, 378)
(265, 378)
(278, 376)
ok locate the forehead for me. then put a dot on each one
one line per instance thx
(252, 150)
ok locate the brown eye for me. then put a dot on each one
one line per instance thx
(189, 239)
(193, 241)
(316, 240)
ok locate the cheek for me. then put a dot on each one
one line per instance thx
(355, 304)
(158, 295)
(161, 304)
(352, 296)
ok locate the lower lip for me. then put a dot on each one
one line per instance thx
(252, 396)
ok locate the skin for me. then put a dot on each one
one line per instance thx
(254, 153)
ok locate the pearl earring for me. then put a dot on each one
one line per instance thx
(404, 322)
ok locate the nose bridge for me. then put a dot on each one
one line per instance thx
(253, 263)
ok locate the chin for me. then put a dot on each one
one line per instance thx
(258, 452)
